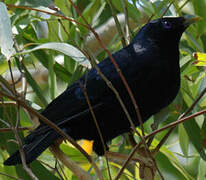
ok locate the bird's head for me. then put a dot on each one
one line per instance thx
(165, 30)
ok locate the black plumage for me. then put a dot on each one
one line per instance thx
(150, 65)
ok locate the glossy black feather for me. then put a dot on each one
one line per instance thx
(150, 65)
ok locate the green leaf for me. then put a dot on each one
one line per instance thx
(9, 115)
(132, 10)
(64, 6)
(42, 57)
(73, 153)
(30, 34)
(62, 73)
(45, 173)
(6, 39)
(7, 170)
(203, 132)
(201, 170)
(3, 66)
(64, 48)
(183, 140)
(169, 164)
(52, 78)
(147, 6)
(69, 64)
(36, 168)
(65, 30)
(37, 3)
(161, 116)
(35, 87)
(6, 86)
(91, 10)
(53, 34)
(199, 7)
(185, 60)
(193, 132)
(76, 75)
(170, 167)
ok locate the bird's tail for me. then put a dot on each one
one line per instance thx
(33, 147)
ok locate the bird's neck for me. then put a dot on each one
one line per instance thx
(162, 48)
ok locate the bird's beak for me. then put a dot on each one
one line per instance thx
(190, 20)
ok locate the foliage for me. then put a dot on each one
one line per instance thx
(53, 49)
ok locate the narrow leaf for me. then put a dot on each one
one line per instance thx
(35, 87)
(193, 131)
(183, 139)
(62, 73)
(199, 7)
(201, 170)
(52, 78)
(66, 49)
(6, 41)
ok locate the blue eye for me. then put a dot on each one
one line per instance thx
(167, 25)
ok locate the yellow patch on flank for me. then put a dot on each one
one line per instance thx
(86, 145)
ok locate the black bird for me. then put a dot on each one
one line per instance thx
(150, 65)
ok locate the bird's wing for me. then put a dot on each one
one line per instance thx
(73, 101)
(72, 104)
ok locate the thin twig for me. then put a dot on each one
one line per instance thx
(163, 140)
(173, 124)
(165, 11)
(12, 177)
(127, 161)
(182, 6)
(125, 7)
(5, 85)
(64, 28)
(114, 156)
(18, 129)
(46, 164)
(12, 78)
(119, 28)
(43, 11)
(61, 168)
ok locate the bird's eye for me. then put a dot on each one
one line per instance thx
(167, 25)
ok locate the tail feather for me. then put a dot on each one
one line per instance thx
(34, 148)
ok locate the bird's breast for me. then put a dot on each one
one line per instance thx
(155, 88)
